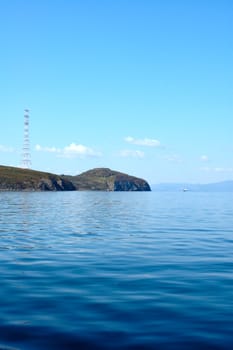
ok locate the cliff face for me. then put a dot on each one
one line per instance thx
(131, 185)
(17, 179)
(104, 179)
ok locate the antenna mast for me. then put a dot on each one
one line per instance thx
(26, 159)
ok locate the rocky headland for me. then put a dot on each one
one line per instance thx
(104, 179)
(99, 179)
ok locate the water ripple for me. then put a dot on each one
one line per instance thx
(116, 271)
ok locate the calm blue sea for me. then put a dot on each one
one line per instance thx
(116, 270)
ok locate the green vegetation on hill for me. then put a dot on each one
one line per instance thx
(104, 179)
(18, 179)
(100, 179)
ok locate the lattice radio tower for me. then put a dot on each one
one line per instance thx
(26, 156)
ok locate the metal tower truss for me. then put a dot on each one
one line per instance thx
(26, 156)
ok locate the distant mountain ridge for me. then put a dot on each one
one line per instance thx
(223, 186)
(99, 179)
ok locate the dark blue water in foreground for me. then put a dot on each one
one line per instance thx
(87, 270)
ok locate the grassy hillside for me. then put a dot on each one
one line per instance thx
(18, 179)
(104, 179)
(100, 179)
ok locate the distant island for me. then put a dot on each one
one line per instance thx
(98, 179)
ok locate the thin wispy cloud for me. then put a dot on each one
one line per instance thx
(6, 149)
(71, 151)
(131, 153)
(143, 142)
(204, 158)
(205, 168)
(223, 170)
(47, 149)
(217, 169)
(173, 158)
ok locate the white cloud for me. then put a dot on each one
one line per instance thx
(131, 153)
(204, 158)
(6, 149)
(143, 142)
(71, 151)
(74, 150)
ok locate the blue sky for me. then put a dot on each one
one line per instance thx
(140, 86)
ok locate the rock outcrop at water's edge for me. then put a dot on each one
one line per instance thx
(99, 179)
